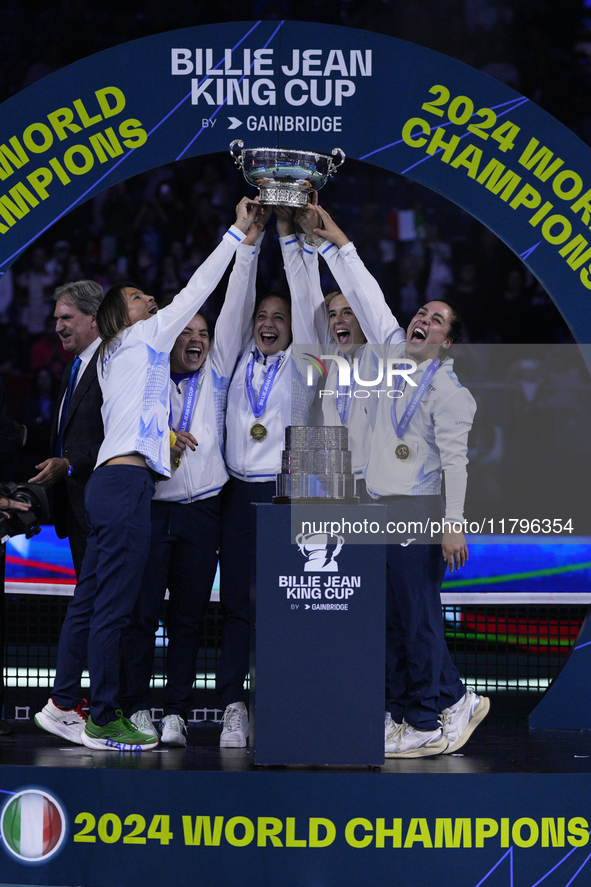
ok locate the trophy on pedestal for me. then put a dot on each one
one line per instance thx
(316, 466)
(283, 176)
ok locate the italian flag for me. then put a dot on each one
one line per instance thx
(31, 825)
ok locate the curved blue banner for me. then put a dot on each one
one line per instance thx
(295, 85)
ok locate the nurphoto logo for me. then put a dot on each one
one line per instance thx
(389, 369)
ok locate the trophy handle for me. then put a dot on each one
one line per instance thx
(334, 165)
(236, 154)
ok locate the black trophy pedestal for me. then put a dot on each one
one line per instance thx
(318, 638)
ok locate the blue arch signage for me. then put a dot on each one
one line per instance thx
(289, 84)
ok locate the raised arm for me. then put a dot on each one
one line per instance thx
(306, 220)
(233, 328)
(306, 296)
(162, 330)
(359, 287)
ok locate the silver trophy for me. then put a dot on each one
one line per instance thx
(285, 177)
(316, 466)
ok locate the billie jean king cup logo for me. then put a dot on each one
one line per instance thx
(391, 369)
(33, 825)
(321, 551)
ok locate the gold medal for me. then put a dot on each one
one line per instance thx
(176, 461)
(402, 452)
(258, 431)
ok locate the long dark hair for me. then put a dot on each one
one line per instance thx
(112, 316)
(456, 327)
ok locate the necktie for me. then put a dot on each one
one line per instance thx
(66, 405)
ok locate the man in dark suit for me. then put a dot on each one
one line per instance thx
(77, 431)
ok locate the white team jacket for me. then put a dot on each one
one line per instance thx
(134, 375)
(202, 472)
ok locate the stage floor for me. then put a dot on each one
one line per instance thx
(492, 749)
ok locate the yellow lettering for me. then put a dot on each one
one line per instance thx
(314, 839)
(497, 182)
(203, 829)
(470, 158)
(566, 229)
(18, 158)
(579, 830)
(87, 159)
(526, 196)
(585, 280)
(583, 204)
(39, 180)
(395, 833)
(106, 141)
(541, 157)
(457, 836)
(438, 141)
(46, 136)
(407, 132)
(269, 827)
(418, 831)
(484, 828)
(61, 120)
(504, 832)
(575, 246)
(17, 207)
(561, 178)
(541, 213)
(350, 836)
(290, 838)
(132, 133)
(534, 832)
(83, 115)
(552, 832)
(61, 173)
(103, 96)
(230, 831)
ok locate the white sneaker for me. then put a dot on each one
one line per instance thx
(389, 725)
(459, 721)
(67, 723)
(235, 726)
(174, 730)
(404, 741)
(144, 723)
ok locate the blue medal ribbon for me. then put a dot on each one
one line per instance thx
(400, 427)
(190, 402)
(344, 401)
(258, 407)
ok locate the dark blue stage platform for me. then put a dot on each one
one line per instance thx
(514, 810)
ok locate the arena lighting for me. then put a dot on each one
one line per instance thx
(44, 677)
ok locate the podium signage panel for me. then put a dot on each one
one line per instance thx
(318, 646)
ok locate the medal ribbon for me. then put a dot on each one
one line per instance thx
(400, 427)
(344, 401)
(258, 408)
(190, 402)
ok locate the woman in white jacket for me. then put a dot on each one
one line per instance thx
(134, 377)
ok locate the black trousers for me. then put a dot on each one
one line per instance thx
(237, 552)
